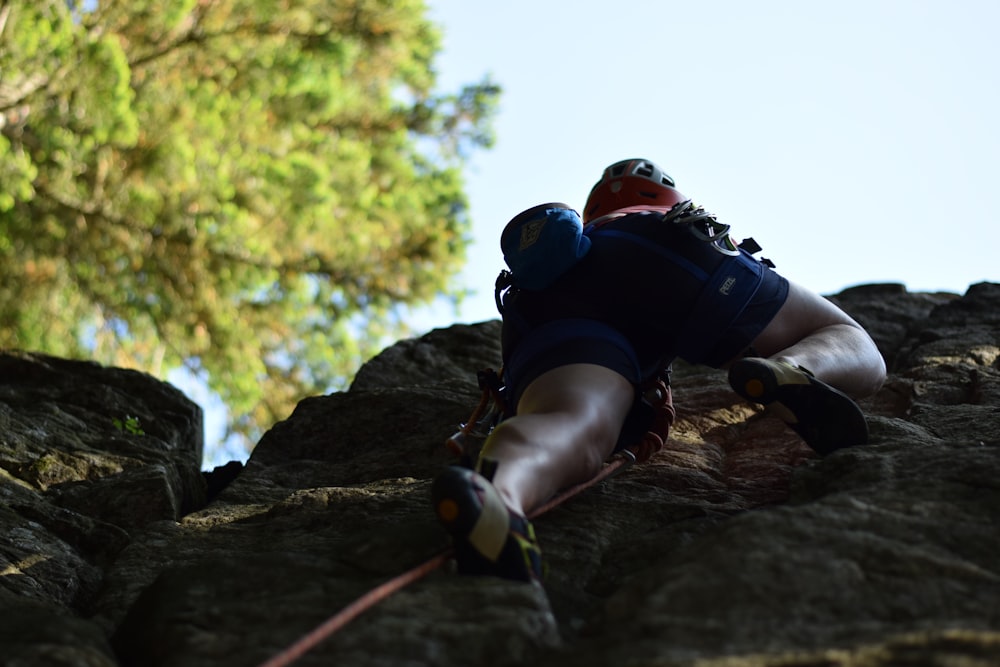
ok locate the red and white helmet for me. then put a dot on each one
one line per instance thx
(634, 182)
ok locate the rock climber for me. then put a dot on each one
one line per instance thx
(594, 307)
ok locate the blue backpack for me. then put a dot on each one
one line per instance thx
(542, 243)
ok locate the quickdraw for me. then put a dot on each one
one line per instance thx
(657, 395)
(699, 223)
(466, 443)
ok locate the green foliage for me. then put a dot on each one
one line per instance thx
(249, 188)
(128, 425)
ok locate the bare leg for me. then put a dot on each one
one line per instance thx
(811, 332)
(567, 424)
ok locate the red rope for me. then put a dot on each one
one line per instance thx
(611, 468)
(355, 609)
(383, 591)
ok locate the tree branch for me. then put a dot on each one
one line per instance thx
(4, 13)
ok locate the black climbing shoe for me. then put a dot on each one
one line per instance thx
(827, 419)
(489, 539)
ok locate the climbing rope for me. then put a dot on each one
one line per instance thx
(355, 609)
(322, 632)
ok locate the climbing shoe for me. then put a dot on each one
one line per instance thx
(827, 419)
(489, 539)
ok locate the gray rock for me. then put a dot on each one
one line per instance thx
(734, 546)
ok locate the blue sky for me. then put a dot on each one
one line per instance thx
(856, 141)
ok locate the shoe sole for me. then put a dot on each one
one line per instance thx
(826, 418)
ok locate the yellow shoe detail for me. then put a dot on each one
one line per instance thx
(490, 532)
(788, 374)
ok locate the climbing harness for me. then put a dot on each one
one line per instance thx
(654, 400)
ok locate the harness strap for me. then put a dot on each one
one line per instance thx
(722, 300)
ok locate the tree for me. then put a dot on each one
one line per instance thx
(248, 188)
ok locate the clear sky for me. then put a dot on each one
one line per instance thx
(857, 141)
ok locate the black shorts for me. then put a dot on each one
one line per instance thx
(645, 294)
(759, 311)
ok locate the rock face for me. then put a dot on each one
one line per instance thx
(735, 546)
